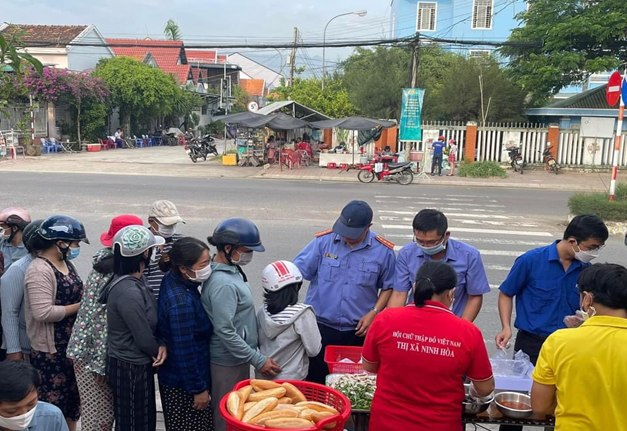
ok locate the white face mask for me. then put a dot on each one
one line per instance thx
(244, 258)
(5, 234)
(202, 274)
(586, 256)
(18, 422)
(166, 231)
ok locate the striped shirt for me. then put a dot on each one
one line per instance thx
(153, 274)
(287, 314)
(14, 338)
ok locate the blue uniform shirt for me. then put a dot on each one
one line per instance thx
(464, 258)
(345, 282)
(47, 418)
(12, 254)
(438, 147)
(544, 292)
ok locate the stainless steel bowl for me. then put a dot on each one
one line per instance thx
(514, 397)
(475, 407)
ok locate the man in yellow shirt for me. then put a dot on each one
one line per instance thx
(581, 373)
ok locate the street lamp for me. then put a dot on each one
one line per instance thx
(360, 13)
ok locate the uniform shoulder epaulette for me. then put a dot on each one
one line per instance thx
(386, 242)
(324, 232)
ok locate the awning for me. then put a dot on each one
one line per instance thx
(303, 112)
(352, 123)
(237, 118)
(279, 121)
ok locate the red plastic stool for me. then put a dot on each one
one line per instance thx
(331, 166)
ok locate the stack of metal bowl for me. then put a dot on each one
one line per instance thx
(474, 406)
(504, 401)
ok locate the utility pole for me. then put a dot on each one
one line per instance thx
(414, 67)
(293, 57)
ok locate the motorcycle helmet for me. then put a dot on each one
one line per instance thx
(134, 240)
(30, 231)
(62, 227)
(441, 138)
(279, 274)
(15, 216)
(237, 232)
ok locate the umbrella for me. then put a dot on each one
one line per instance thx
(352, 123)
(237, 118)
(279, 121)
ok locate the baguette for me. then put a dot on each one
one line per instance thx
(263, 385)
(274, 414)
(247, 406)
(314, 405)
(318, 416)
(288, 423)
(294, 393)
(265, 405)
(235, 406)
(285, 400)
(307, 414)
(269, 393)
(245, 392)
(289, 407)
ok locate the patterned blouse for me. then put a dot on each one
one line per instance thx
(88, 342)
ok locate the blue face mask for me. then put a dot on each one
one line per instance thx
(74, 253)
(430, 251)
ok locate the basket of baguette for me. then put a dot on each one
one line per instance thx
(287, 405)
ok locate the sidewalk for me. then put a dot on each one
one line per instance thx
(172, 161)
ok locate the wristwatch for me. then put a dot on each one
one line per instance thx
(376, 311)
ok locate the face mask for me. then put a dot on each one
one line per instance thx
(585, 315)
(18, 422)
(5, 234)
(586, 256)
(74, 253)
(202, 274)
(244, 259)
(430, 251)
(166, 231)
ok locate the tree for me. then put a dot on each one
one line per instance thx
(333, 101)
(576, 37)
(139, 91)
(184, 103)
(172, 30)
(241, 100)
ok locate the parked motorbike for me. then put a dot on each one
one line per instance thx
(399, 172)
(516, 160)
(550, 164)
(195, 150)
(208, 142)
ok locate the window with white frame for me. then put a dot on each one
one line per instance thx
(427, 13)
(482, 13)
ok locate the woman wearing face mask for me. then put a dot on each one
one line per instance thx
(580, 375)
(163, 220)
(53, 290)
(133, 349)
(185, 328)
(228, 301)
(429, 345)
(19, 408)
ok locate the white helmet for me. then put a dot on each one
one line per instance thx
(279, 274)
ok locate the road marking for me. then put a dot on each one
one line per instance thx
(430, 204)
(498, 267)
(500, 217)
(477, 240)
(425, 198)
(484, 252)
(466, 222)
(494, 286)
(472, 230)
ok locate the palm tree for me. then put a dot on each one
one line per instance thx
(172, 31)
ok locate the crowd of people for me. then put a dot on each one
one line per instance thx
(158, 302)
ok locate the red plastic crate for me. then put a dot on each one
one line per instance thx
(312, 391)
(334, 354)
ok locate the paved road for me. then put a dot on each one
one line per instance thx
(502, 223)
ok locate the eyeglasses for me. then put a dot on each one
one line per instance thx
(593, 248)
(432, 243)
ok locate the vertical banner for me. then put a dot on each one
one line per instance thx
(411, 110)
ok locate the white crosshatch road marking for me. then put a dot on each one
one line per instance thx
(472, 230)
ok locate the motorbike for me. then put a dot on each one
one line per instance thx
(550, 164)
(399, 172)
(516, 160)
(200, 147)
(209, 143)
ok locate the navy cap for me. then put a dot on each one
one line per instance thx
(354, 220)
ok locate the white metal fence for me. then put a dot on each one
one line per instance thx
(494, 139)
(577, 150)
(449, 129)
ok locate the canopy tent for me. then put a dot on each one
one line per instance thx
(294, 109)
(278, 121)
(352, 123)
(237, 118)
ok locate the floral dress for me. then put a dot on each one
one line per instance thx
(58, 381)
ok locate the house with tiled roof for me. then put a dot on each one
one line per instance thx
(256, 89)
(51, 44)
(252, 69)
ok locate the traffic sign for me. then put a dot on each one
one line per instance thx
(613, 91)
(253, 107)
(624, 92)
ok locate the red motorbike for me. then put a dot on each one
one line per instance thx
(382, 171)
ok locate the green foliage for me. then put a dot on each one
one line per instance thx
(241, 100)
(184, 103)
(141, 92)
(332, 101)
(93, 121)
(482, 170)
(578, 38)
(172, 30)
(600, 205)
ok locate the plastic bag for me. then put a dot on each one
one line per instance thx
(504, 367)
(575, 320)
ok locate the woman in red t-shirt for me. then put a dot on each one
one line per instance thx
(420, 354)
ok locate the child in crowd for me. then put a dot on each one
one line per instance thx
(288, 331)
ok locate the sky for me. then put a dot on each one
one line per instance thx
(267, 21)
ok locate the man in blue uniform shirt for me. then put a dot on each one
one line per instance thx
(351, 270)
(432, 242)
